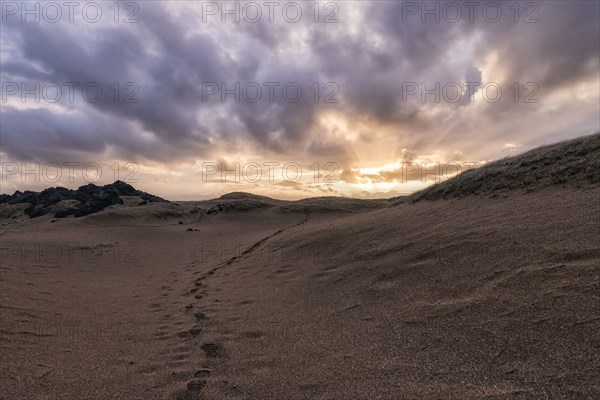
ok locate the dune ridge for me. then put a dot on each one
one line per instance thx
(574, 163)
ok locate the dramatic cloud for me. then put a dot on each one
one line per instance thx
(389, 83)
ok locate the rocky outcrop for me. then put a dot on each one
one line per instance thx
(89, 199)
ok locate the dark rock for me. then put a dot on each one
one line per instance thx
(91, 199)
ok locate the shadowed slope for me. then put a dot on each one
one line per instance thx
(574, 163)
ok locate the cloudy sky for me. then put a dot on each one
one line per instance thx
(192, 99)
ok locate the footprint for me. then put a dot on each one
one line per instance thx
(196, 385)
(202, 373)
(193, 332)
(193, 390)
(211, 349)
(199, 315)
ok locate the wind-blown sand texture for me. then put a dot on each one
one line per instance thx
(482, 287)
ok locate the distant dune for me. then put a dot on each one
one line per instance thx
(574, 163)
(485, 286)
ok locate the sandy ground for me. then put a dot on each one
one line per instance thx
(480, 297)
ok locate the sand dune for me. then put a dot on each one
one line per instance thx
(484, 286)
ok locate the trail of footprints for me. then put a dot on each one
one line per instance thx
(195, 386)
(178, 359)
